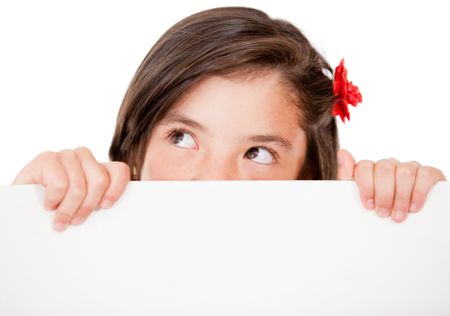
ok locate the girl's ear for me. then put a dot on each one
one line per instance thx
(346, 165)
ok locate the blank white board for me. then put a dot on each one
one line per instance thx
(225, 248)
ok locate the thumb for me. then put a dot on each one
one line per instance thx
(346, 165)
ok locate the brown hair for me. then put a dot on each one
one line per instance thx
(229, 41)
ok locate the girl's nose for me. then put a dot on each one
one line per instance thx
(217, 170)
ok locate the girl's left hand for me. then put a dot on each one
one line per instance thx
(391, 187)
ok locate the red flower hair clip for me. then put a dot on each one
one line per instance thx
(346, 93)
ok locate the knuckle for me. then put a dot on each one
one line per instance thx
(401, 202)
(384, 205)
(363, 163)
(384, 200)
(426, 171)
(406, 170)
(46, 159)
(46, 155)
(123, 168)
(415, 163)
(83, 150)
(100, 182)
(85, 210)
(385, 166)
(63, 216)
(392, 159)
(77, 192)
(59, 185)
(419, 195)
(67, 153)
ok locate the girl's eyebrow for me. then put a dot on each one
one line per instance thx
(280, 141)
(178, 118)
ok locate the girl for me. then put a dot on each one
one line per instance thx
(227, 93)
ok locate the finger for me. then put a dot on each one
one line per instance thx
(415, 163)
(120, 175)
(56, 182)
(346, 165)
(426, 177)
(97, 181)
(364, 179)
(76, 192)
(384, 186)
(46, 170)
(32, 172)
(405, 177)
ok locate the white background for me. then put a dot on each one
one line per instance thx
(65, 67)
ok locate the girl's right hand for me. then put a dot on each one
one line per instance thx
(75, 183)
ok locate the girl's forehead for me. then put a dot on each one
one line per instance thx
(260, 100)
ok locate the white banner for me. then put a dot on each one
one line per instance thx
(226, 248)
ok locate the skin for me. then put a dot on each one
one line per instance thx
(214, 133)
(230, 117)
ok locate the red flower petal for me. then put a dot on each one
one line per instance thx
(345, 92)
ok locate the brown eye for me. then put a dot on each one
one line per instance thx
(260, 155)
(182, 139)
(177, 137)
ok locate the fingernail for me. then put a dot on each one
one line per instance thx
(370, 204)
(59, 227)
(383, 212)
(106, 204)
(77, 221)
(399, 216)
(413, 208)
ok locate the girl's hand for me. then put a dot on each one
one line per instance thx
(391, 187)
(75, 183)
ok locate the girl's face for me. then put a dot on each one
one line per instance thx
(226, 129)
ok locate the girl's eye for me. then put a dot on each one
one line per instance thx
(261, 155)
(182, 139)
